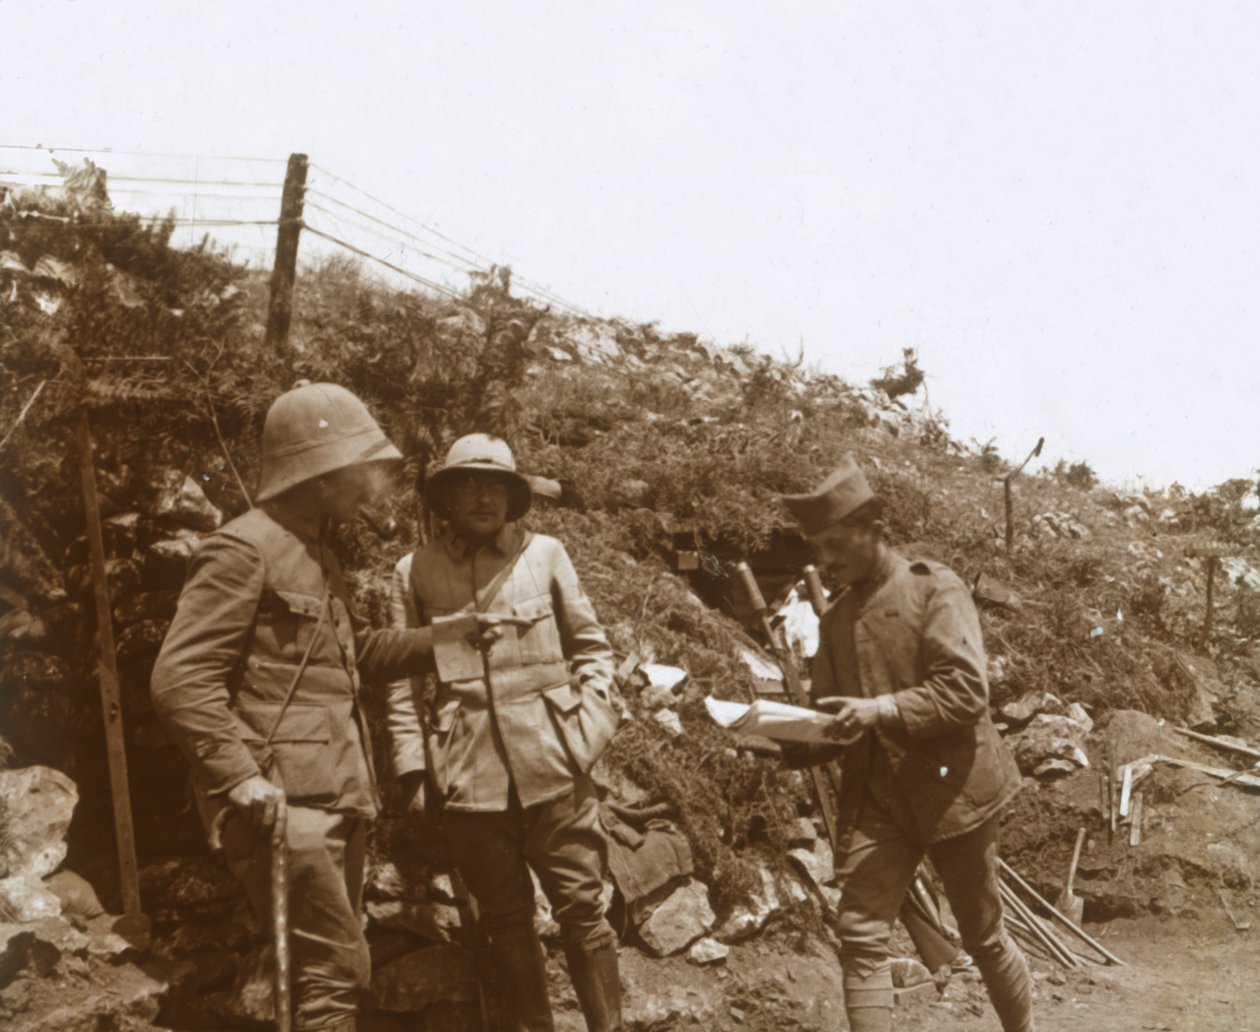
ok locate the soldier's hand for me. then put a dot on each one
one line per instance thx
(262, 804)
(413, 791)
(493, 626)
(852, 716)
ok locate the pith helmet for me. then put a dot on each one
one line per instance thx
(840, 495)
(313, 429)
(490, 455)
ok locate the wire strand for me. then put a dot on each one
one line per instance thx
(148, 179)
(528, 284)
(389, 265)
(343, 221)
(411, 236)
(138, 153)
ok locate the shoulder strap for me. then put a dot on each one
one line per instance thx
(306, 658)
(491, 591)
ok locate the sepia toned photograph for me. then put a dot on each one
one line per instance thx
(555, 517)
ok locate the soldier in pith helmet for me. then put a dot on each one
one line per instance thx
(505, 746)
(258, 682)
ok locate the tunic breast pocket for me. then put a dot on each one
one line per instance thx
(538, 637)
(294, 622)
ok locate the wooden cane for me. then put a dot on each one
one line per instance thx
(280, 934)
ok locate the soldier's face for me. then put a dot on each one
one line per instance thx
(849, 552)
(343, 492)
(477, 504)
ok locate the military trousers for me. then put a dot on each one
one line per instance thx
(561, 839)
(330, 963)
(883, 852)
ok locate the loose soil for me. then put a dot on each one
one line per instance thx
(1181, 976)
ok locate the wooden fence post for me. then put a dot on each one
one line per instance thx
(280, 309)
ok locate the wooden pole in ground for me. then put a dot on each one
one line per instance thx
(1007, 493)
(280, 308)
(111, 695)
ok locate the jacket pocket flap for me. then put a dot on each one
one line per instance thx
(301, 603)
(534, 609)
(300, 723)
(563, 697)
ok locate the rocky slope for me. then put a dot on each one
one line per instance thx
(664, 455)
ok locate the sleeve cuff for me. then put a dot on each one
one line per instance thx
(889, 717)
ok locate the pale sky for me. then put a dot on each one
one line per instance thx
(1056, 203)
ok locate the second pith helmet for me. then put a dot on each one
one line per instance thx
(487, 454)
(313, 429)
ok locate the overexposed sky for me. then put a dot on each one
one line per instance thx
(1056, 203)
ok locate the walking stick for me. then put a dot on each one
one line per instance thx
(280, 933)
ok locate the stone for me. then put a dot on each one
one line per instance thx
(442, 888)
(670, 721)
(36, 805)
(679, 921)
(1020, 711)
(993, 591)
(166, 561)
(140, 643)
(1049, 737)
(188, 889)
(120, 533)
(816, 863)
(179, 499)
(147, 605)
(749, 916)
(436, 974)
(24, 899)
(419, 917)
(906, 972)
(708, 951)
(804, 833)
(1077, 712)
(78, 898)
(37, 708)
(248, 998)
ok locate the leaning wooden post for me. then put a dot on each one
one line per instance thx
(1007, 494)
(111, 696)
(1213, 552)
(280, 309)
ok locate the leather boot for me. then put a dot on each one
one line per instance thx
(597, 982)
(519, 965)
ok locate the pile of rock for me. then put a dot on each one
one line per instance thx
(64, 962)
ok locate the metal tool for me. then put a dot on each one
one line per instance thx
(1069, 904)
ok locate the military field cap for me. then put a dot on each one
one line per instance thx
(486, 454)
(314, 429)
(840, 495)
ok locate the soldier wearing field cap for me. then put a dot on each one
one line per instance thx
(901, 664)
(522, 710)
(258, 682)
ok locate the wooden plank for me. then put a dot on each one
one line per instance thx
(111, 695)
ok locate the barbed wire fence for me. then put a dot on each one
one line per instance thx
(256, 208)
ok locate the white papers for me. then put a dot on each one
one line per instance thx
(776, 720)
